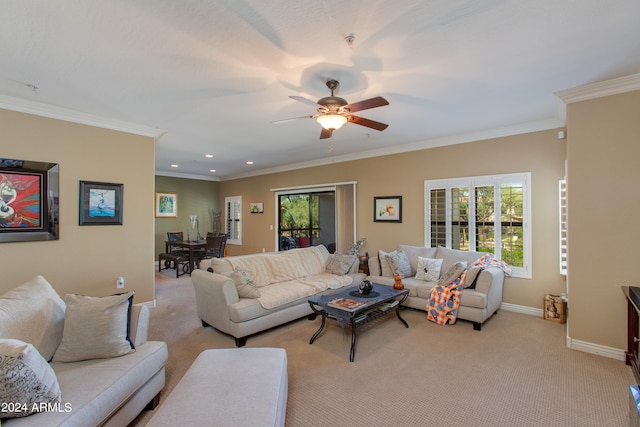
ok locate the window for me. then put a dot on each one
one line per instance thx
(314, 215)
(233, 215)
(486, 214)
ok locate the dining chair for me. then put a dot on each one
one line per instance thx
(176, 236)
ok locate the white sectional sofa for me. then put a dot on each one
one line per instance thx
(480, 299)
(284, 281)
(108, 391)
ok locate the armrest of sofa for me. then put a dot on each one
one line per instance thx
(357, 278)
(374, 266)
(214, 294)
(490, 282)
(139, 327)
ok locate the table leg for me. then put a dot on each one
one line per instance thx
(324, 316)
(401, 319)
(352, 354)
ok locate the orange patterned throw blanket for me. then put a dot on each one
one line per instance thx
(442, 307)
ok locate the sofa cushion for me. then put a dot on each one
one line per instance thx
(26, 379)
(95, 328)
(34, 313)
(245, 286)
(399, 263)
(340, 264)
(282, 293)
(413, 252)
(428, 269)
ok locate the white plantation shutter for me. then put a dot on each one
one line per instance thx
(562, 194)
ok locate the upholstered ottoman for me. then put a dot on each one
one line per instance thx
(229, 387)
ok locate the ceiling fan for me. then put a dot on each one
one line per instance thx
(334, 111)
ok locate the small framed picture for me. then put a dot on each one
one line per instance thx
(166, 205)
(100, 203)
(256, 207)
(387, 209)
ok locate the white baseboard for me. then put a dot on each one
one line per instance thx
(587, 347)
(521, 309)
(601, 350)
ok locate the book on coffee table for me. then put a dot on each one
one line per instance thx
(345, 304)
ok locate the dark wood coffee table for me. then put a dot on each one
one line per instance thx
(381, 301)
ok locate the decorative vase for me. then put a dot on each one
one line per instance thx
(398, 282)
(365, 287)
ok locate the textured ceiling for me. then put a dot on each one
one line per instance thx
(212, 75)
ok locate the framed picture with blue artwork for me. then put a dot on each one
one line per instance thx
(100, 203)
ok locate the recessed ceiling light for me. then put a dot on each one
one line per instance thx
(249, 162)
(212, 170)
(174, 166)
(208, 155)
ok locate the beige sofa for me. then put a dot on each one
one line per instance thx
(284, 281)
(96, 392)
(478, 301)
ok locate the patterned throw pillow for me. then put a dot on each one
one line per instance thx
(452, 273)
(340, 264)
(246, 287)
(26, 379)
(428, 269)
(399, 263)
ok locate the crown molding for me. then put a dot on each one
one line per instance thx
(521, 128)
(186, 176)
(68, 115)
(600, 89)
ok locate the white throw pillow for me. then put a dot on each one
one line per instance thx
(34, 313)
(246, 287)
(428, 269)
(95, 328)
(340, 264)
(26, 379)
(385, 268)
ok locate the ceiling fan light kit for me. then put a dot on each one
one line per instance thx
(331, 121)
(333, 111)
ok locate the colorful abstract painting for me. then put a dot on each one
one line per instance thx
(20, 200)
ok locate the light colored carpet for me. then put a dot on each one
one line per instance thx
(516, 372)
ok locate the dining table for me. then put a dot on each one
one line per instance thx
(192, 245)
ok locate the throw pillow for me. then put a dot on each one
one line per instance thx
(26, 379)
(340, 264)
(95, 328)
(246, 287)
(34, 313)
(452, 273)
(428, 269)
(471, 276)
(399, 263)
(385, 268)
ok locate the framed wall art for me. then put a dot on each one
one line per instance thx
(28, 200)
(166, 205)
(256, 207)
(387, 209)
(100, 203)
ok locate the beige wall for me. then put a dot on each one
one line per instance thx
(540, 153)
(195, 197)
(87, 259)
(603, 149)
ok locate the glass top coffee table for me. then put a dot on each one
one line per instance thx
(349, 307)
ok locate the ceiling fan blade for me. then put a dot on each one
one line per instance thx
(277, 122)
(368, 123)
(326, 133)
(378, 101)
(304, 100)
